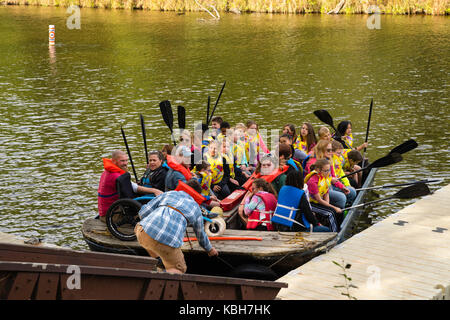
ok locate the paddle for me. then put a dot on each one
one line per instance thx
(181, 117)
(433, 181)
(405, 147)
(385, 161)
(144, 136)
(166, 111)
(215, 106)
(367, 131)
(414, 191)
(207, 109)
(325, 117)
(129, 153)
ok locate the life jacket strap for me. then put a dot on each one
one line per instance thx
(107, 195)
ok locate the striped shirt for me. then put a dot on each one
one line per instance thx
(167, 225)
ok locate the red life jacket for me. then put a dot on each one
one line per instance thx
(107, 190)
(178, 167)
(270, 203)
(269, 178)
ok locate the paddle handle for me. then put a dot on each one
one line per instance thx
(352, 173)
(144, 136)
(367, 203)
(215, 106)
(129, 153)
(207, 109)
(367, 131)
(400, 184)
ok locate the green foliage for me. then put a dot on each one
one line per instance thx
(434, 7)
(347, 285)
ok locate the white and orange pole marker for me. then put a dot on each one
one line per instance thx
(51, 35)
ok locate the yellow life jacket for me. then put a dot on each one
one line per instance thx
(324, 184)
(239, 154)
(205, 181)
(216, 168)
(348, 140)
(338, 163)
(300, 145)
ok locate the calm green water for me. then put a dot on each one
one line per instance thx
(61, 110)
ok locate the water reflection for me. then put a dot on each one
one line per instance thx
(62, 109)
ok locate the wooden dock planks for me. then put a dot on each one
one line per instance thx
(403, 257)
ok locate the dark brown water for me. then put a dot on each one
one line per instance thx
(61, 110)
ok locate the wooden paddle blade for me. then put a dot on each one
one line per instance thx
(386, 160)
(181, 117)
(325, 117)
(166, 112)
(414, 191)
(405, 147)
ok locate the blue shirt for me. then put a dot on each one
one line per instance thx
(167, 225)
(172, 179)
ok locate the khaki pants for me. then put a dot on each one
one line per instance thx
(172, 258)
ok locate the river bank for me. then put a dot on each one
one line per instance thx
(428, 7)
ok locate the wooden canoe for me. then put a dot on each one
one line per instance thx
(281, 251)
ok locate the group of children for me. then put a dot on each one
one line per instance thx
(294, 187)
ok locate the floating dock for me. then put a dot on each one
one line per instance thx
(404, 257)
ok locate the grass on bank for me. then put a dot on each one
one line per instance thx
(431, 7)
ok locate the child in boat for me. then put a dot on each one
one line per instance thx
(339, 194)
(306, 140)
(187, 139)
(229, 166)
(338, 161)
(353, 157)
(214, 158)
(297, 154)
(167, 150)
(202, 172)
(254, 143)
(237, 155)
(344, 129)
(319, 184)
(293, 212)
(259, 206)
(222, 169)
(238, 149)
(215, 127)
(324, 134)
(225, 131)
(289, 129)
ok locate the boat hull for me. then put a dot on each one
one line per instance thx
(281, 251)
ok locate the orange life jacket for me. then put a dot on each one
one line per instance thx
(190, 191)
(269, 178)
(179, 167)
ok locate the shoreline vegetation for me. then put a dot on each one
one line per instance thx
(396, 7)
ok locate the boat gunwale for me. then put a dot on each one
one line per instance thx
(21, 266)
(354, 213)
